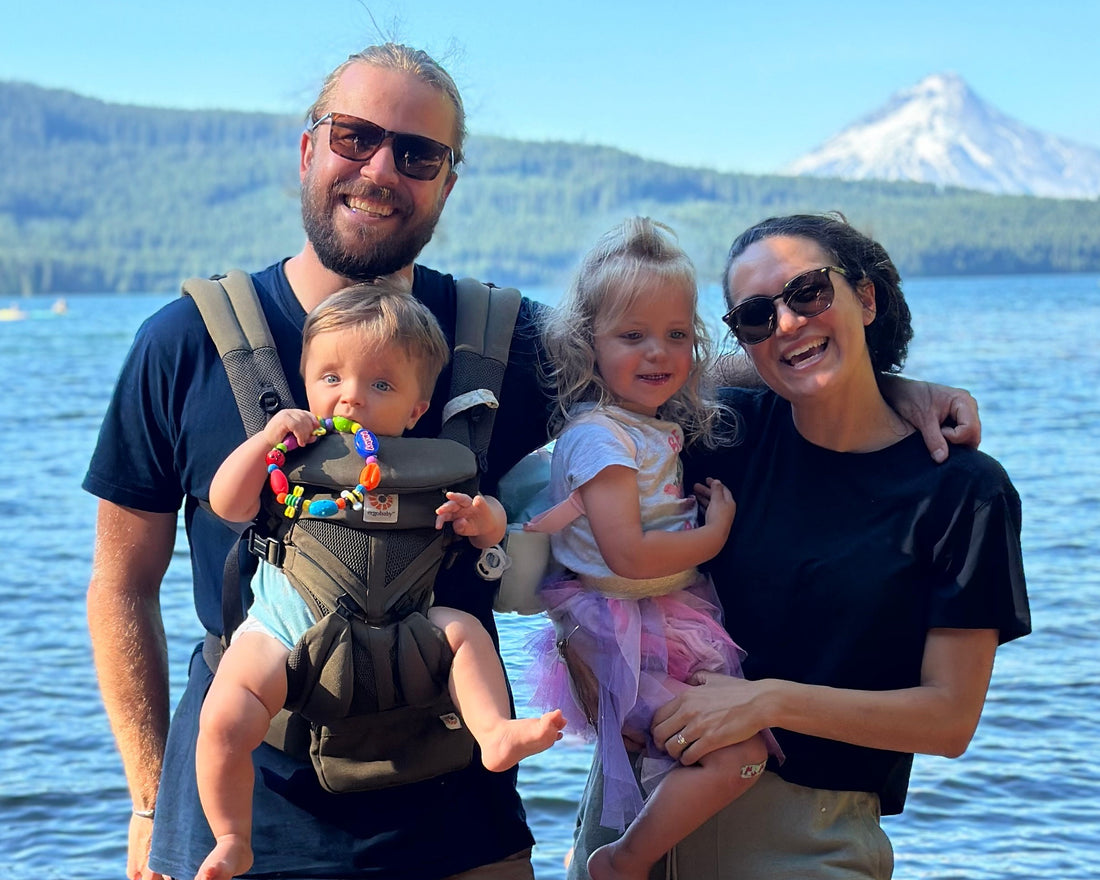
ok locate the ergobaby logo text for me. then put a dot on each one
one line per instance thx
(380, 507)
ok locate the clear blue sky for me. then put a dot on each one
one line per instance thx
(743, 85)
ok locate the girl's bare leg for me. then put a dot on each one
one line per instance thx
(480, 694)
(683, 801)
(248, 689)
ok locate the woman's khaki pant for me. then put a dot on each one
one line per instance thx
(775, 831)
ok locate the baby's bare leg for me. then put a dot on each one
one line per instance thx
(683, 801)
(480, 694)
(248, 689)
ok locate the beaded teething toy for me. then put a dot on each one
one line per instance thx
(366, 444)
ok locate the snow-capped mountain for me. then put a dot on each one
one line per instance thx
(940, 132)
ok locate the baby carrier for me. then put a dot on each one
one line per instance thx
(367, 683)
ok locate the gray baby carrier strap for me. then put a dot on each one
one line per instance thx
(235, 321)
(367, 684)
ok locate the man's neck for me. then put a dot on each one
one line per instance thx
(312, 282)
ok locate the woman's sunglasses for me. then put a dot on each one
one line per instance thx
(357, 139)
(808, 294)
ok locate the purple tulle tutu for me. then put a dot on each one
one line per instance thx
(642, 652)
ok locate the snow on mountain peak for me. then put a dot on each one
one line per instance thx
(939, 131)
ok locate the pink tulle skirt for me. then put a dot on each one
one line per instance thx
(642, 652)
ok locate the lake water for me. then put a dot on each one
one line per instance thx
(1021, 803)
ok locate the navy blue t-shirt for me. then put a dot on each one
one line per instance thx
(838, 565)
(170, 424)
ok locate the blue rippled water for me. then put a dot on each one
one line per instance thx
(1021, 803)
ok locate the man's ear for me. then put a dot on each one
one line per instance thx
(305, 154)
(452, 179)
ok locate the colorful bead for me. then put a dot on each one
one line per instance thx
(275, 457)
(354, 497)
(366, 444)
(293, 502)
(323, 507)
(370, 476)
(278, 480)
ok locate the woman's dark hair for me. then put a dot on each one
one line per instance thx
(861, 257)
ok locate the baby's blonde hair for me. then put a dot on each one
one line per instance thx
(384, 311)
(625, 260)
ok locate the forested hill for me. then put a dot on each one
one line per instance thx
(106, 197)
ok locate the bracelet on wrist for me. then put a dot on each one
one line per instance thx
(145, 814)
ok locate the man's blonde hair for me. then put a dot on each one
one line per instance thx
(405, 59)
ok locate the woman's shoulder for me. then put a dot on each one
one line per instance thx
(968, 480)
(981, 473)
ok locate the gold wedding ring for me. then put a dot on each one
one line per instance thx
(680, 741)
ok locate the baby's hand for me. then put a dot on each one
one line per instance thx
(462, 511)
(298, 422)
(717, 502)
(480, 518)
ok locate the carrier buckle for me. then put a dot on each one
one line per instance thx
(268, 549)
(348, 608)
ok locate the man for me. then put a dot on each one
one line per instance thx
(171, 422)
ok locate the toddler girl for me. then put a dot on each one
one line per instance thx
(633, 617)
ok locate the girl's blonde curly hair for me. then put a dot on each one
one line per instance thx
(626, 260)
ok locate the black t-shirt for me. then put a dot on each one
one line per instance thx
(170, 424)
(838, 564)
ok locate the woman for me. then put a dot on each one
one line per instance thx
(869, 585)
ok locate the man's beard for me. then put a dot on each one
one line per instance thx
(369, 254)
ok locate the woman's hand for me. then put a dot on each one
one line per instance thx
(716, 502)
(718, 712)
(936, 717)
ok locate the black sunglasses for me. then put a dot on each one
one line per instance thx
(808, 294)
(357, 139)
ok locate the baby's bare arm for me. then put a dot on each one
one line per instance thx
(236, 487)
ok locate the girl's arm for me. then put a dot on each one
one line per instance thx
(936, 717)
(236, 488)
(611, 504)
